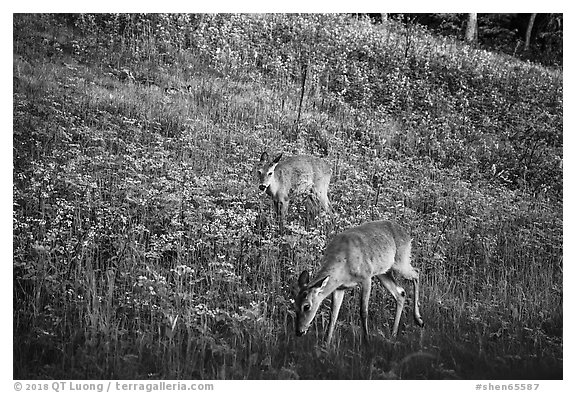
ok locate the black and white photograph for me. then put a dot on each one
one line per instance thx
(202, 196)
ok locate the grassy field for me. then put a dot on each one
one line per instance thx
(143, 248)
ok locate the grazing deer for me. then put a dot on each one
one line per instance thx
(373, 249)
(299, 174)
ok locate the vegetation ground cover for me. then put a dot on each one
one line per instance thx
(143, 249)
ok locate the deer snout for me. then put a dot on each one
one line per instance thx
(301, 331)
(262, 187)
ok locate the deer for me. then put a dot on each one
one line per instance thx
(354, 256)
(298, 174)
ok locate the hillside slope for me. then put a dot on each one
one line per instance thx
(143, 249)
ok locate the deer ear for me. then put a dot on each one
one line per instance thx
(303, 279)
(320, 284)
(264, 157)
(277, 158)
(324, 282)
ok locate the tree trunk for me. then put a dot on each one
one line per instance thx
(529, 32)
(472, 28)
(383, 18)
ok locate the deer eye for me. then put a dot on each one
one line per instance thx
(306, 308)
(269, 173)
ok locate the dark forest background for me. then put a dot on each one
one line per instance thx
(505, 33)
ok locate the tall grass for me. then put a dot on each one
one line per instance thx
(143, 249)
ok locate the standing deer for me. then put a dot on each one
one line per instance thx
(373, 249)
(298, 174)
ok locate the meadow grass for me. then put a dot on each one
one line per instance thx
(143, 249)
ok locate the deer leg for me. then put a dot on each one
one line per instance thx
(416, 282)
(278, 211)
(310, 205)
(408, 272)
(399, 295)
(364, 300)
(337, 297)
(322, 196)
(283, 207)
